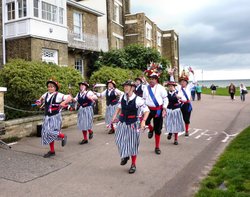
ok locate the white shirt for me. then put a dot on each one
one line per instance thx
(103, 94)
(82, 94)
(160, 94)
(187, 89)
(139, 102)
(59, 98)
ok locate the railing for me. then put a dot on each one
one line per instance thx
(87, 42)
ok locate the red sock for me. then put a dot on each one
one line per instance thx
(157, 141)
(150, 128)
(61, 135)
(90, 131)
(133, 159)
(176, 136)
(85, 137)
(52, 147)
(186, 126)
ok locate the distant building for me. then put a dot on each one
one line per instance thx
(73, 32)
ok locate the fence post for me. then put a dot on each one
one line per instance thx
(101, 101)
(2, 91)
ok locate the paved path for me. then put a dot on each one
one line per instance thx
(93, 169)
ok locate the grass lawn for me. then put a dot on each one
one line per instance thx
(221, 91)
(230, 177)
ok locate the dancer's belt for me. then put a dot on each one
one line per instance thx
(130, 116)
(156, 108)
(185, 101)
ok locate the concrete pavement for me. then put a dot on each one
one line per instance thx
(93, 169)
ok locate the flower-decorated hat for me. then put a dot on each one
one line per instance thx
(154, 70)
(84, 83)
(129, 83)
(111, 81)
(53, 82)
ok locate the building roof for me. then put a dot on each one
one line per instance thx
(85, 8)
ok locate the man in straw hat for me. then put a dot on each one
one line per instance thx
(156, 99)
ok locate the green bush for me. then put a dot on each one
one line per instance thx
(26, 82)
(119, 75)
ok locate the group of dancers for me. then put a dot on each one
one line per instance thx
(142, 104)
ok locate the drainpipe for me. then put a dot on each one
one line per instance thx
(3, 33)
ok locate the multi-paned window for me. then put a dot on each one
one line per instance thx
(159, 38)
(11, 10)
(79, 65)
(22, 8)
(60, 15)
(49, 12)
(78, 25)
(36, 8)
(50, 56)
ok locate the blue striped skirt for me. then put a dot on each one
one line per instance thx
(51, 128)
(174, 121)
(85, 118)
(127, 139)
(110, 110)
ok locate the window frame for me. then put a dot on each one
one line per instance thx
(22, 8)
(47, 59)
(12, 10)
(78, 36)
(79, 65)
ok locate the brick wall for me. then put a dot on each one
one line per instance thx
(31, 49)
(38, 44)
(18, 48)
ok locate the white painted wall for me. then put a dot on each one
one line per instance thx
(100, 5)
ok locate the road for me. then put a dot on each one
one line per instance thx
(93, 169)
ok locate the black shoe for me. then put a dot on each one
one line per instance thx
(111, 131)
(124, 161)
(150, 134)
(132, 169)
(49, 154)
(84, 142)
(157, 151)
(64, 140)
(169, 136)
(175, 142)
(186, 134)
(91, 135)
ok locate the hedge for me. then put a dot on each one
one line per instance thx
(26, 82)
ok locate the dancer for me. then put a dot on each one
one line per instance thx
(156, 99)
(112, 97)
(127, 135)
(85, 99)
(174, 120)
(184, 92)
(51, 128)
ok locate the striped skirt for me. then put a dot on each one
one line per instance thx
(174, 121)
(127, 139)
(51, 128)
(85, 118)
(110, 110)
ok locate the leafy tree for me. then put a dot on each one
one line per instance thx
(133, 57)
(119, 75)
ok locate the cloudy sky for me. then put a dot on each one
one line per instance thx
(214, 34)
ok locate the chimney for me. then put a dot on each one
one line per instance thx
(127, 6)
